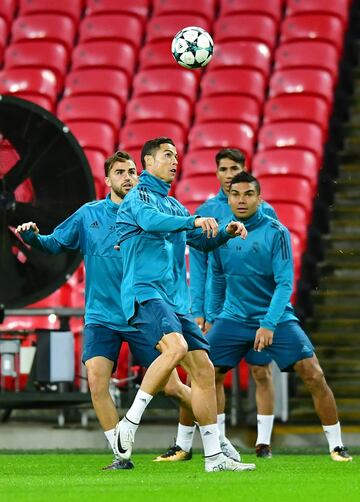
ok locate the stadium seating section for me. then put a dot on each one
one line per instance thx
(106, 69)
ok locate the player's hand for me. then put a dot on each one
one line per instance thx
(236, 228)
(208, 225)
(200, 321)
(263, 338)
(27, 226)
(117, 247)
(207, 327)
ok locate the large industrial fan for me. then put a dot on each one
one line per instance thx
(44, 177)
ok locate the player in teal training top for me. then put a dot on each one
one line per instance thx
(252, 282)
(229, 162)
(92, 230)
(153, 230)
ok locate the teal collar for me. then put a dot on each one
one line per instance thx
(154, 184)
(254, 220)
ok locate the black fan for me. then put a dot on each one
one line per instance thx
(44, 177)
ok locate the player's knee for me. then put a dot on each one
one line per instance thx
(314, 377)
(98, 385)
(174, 347)
(262, 375)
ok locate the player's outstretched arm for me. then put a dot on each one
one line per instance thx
(65, 236)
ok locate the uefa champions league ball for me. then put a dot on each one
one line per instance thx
(192, 47)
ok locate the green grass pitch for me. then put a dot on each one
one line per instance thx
(65, 477)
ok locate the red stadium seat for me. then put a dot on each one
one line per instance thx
(98, 81)
(290, 189)
(252, 55)
(222, 135)
(49, 27)
(197, 189)
(259, 28)
(272, 9)
(169, 81)
(294, 218)
(3, 33)
(24, 82)
(286, 162)
(302, 82)
(111, 55)
(205, 8)
(292, 135)
(156, 54)
(71, 8)
(113, 27)
(237, 81)
(103, 109)
(135, 153)
(42, 55)
(96, 161)
(339, 8)
(7, 11)
(133, 136)
(317, 55)
(233, 108)
(94, 136)
(166, 26)
(140, 8)
(199, 162)
(38, 100)
(169, 108)
(295, 107)
(313, 27)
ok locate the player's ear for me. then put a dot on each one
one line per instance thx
(107, 181)
(149, 160)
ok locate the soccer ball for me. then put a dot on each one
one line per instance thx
(192, 47)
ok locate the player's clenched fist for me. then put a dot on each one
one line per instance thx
(208, 225)
(27, 226)
(236, 228)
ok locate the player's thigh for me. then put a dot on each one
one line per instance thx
(229, 342)
(100, 341)
(290, 345)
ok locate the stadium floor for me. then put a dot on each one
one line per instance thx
(70, 477)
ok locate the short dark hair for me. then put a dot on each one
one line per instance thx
(119, 156)
(245, 177)
(152, 145)
(230, 153)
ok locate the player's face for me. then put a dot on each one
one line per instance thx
(244, 199)
(164, 163)
(122, 178)
(225, 172)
